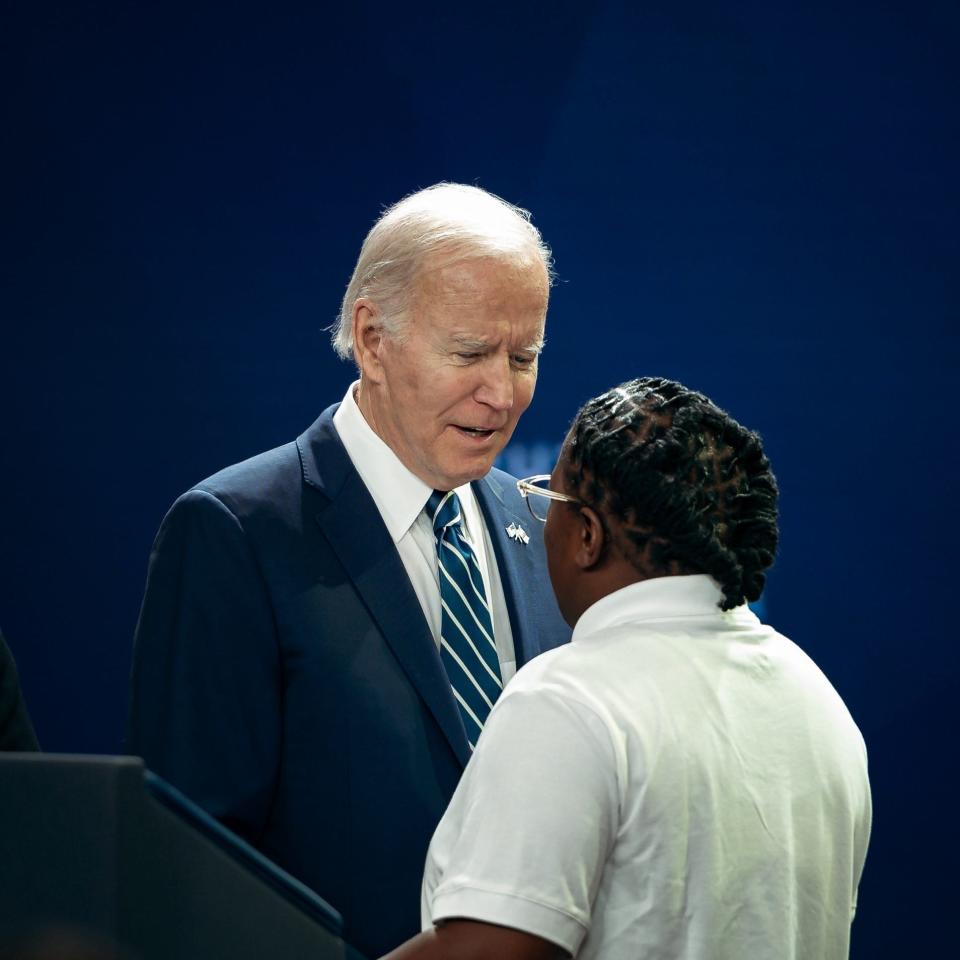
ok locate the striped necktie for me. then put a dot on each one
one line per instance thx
(467, 649)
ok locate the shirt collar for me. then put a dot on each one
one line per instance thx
(399, 494)
(662, 598)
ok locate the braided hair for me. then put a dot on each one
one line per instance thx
(691, 488)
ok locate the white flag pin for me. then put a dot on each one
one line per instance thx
(516, 532)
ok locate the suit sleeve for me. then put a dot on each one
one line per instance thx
(205, 694)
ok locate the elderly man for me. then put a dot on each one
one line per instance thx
(689, 784)
(326, 626)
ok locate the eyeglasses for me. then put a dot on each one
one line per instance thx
(539, 503)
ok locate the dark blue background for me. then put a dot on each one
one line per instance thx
(759, 199)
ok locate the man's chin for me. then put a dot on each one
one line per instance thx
(466, 471)
(458, 462)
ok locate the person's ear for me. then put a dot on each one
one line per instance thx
(367, 339)
(592, 539)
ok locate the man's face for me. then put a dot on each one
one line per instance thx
(447, 395)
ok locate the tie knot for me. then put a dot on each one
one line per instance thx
(443, 508)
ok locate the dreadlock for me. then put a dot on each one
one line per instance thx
(691, 488)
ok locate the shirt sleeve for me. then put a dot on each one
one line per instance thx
(529, 830)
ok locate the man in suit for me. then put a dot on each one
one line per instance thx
(325, 626)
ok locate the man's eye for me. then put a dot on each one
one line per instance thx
(468, 356)
(523, 359)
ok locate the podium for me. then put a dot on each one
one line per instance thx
(102, 847)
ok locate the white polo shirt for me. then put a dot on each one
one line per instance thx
(400, 496)
(677, 782)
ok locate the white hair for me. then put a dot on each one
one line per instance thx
(449, 222)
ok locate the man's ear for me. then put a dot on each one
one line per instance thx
(592, 539)
(367, 339)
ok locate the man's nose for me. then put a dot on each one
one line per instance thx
(496, 387)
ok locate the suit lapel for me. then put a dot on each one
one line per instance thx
(355, 531)
(516, 562)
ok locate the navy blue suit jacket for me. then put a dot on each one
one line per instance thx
(286, 679)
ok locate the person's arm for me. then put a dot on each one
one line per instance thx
(16, 731)
(515, 865)
(474, 940)
(205, 692)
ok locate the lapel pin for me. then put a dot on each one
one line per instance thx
(516, 532)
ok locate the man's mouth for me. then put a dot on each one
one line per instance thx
(480, 433)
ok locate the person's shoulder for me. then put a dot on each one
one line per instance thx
(551, 688)
(264, 481)
(253, 478)
(260, 487)
(272, 480)
(813, 685)
(552, 669)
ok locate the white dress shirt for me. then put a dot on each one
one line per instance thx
(400, 496)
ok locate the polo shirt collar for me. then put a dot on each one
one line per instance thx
(662, 598)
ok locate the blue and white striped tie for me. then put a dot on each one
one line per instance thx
(467, 648)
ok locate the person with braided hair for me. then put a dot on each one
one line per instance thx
(690, 489)
(691, 784)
